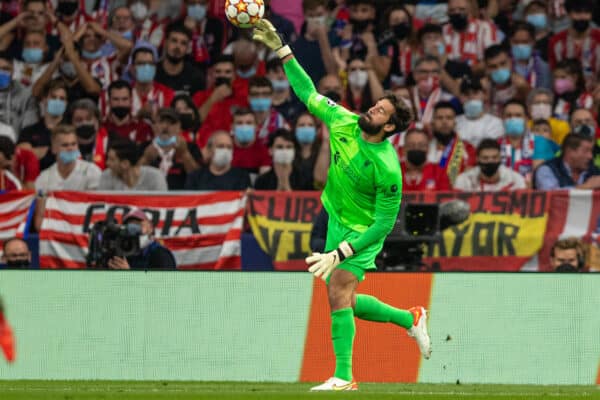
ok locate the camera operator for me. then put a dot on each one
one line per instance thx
(151, 255)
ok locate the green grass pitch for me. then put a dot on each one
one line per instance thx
(122, 390)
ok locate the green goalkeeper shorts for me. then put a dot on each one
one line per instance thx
(359, 263)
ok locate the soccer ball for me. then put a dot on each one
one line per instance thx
(244, 13)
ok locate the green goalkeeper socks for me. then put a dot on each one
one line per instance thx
(371, 309)
(342, 335)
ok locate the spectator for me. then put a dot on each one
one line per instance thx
(312, 47)
(35, 58)
(219, 174)
(188, 117)
(539, 105)
(466, 36)
(572, 168)
(489, 175)
(36, 137)
(17, 108)
(529, 65)
(476, 123)
(91, 137)
(7, 152)
(283, 25)
(260, 98)
(208, 33)
(569, 86)
(583, 123)
(501, 82)
(120, 21)
(580, 41)
(25, 165)
(16, 254)
(248, 152)
(446, 149)
(152, 254)
(285, 175)
(331, 87)
(68, 172)
(119, 119)
(363, 85)
(123, 172)
(544, 149)
(356, 38)
(70, 14)
(174, 71)
(169, 151)
(246, 59)
(310, 145)
(417, 173)
(567, 255)
(285, 101)
(535, 13)
(149, 27)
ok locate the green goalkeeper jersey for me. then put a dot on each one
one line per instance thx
(364, 183)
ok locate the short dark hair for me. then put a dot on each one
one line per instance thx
(515, 102)
(6, 55)
(118, 84)
(259, 81)
(55, 84)
(442, 105)
(572, 142)
(126, 150)
(470, 85)
(429, 28)
(312, 4)
(7, 147)
(522, 26)
(283, 133)
(579, 5)
(223, 58)
(178, 27)
(486, 144)
(274, 64)
(541, 122)
(573, 66)
(141, 50)
(243, 111)
(402, 116)
(495, 50)
(85, 104)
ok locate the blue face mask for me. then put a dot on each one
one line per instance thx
(127, 35)
(165, 142)
(67, 157)
(514, 126)
(521, 51)
(246, 74)
(244, 133)
(280, 84)
(32, 55)
(88, 55)
(196, 11)
(501, 76)
(306, 134)
(473, 108)
(260, 104)
(133, 229)
(56, 107)
(145, 73)
(441, 48)
(539, 21)
(4, 79)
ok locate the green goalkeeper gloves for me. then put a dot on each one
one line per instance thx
(265, 32)
(322, 265)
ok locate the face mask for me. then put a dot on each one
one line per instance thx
(56, 107)
(585, 130)
(187, 121)
(133, 229)
(458, 21)
(539, 21)
(428, 85)
(18, 264)
(565, 268)
(443, 138)
(127, 35)
(67, 7)
(489, 169)
(244, 134)
(32, 55)
(521, 51)
(441, 48)
(319, 21)
(120, 112)
(222, 157)
(4, 79)
(283, 156)
(246, 74)
(145, 241)
(541, 111)
(68, 157)
(279, 85)
(170, 141)
(145, 73)
(359, 26)
(196, 11)
(68, 70)
(358, 79)
(333, 96)
(260, 104)
(514, 126)
(401, 30)
(563, 85)
(580, 25)
(473, 108)
(306, 134)
(89, 55)
(416, 157)
(501, 76)
(139, 11)
(85, 131)
(221, 80)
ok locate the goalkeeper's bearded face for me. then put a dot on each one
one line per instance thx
(376, 117)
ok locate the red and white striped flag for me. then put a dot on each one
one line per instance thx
(14, 209)
(201, 229)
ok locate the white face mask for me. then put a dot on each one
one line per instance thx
(139, 10)
(222, 157)
(283, 156)
(541, 111)
(358, 78)
(317, 20)
(145, 241)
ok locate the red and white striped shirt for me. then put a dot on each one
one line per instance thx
(468, 46)
(563, 46)
(8, 181)
(159, 96)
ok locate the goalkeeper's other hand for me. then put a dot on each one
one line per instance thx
(322, 265)
(265, 32)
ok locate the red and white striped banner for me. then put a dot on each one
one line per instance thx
(14, 209)
(201, 229)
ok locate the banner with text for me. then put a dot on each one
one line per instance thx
(201, 229)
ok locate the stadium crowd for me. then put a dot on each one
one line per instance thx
(150, 95)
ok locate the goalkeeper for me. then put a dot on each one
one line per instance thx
(362, 197)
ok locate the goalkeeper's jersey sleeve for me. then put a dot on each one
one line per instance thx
(364, 183)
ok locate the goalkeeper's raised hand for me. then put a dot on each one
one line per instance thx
(265, 32)
(322, 265)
